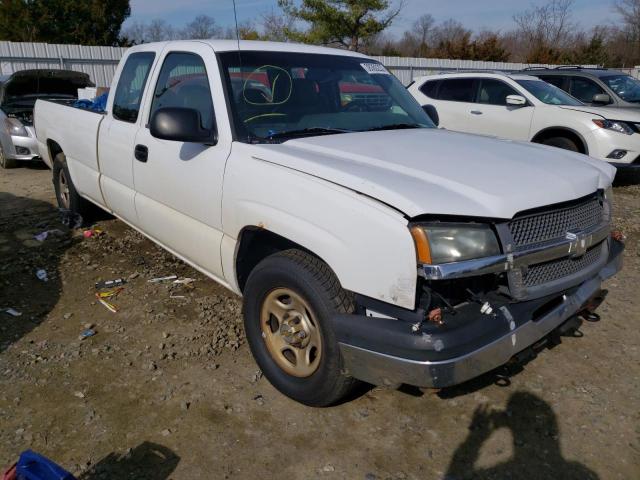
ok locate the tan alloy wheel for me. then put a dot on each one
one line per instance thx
(291, 332)
(63, 186)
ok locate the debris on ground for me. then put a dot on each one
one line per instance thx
(11, 311)
(41, 273)
(42, 236)
(118, 282)
(89, 332)
(92, 232)
(184, 281)
(163, 279)
(70, 219)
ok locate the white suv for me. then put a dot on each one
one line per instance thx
(522, 107)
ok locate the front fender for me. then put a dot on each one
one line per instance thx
(366, 243)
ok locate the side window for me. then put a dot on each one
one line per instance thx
(584, 89)
(430, 88)
(126, 103)
(183, 82)
(558, 81)
(457, 90)
(494, 92)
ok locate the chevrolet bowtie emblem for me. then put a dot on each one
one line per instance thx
(578, 243)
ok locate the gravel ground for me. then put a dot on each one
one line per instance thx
(167, 388)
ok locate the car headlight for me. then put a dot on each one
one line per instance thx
(445, 243)
(615, 125)
(15, 127)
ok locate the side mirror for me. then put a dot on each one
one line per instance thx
(181, 125)
(433, 113)
(516, 100)
(601, 99)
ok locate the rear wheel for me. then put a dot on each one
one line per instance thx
(289, 300)
(561, 142)
(66, 193)
(4, 161)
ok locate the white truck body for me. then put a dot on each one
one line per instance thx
(348, 198)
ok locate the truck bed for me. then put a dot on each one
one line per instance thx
(63, 127)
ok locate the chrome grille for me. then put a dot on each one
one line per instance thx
(556, 269)
(542, 227)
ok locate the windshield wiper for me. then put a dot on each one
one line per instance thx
(306, 131)
(394, 126)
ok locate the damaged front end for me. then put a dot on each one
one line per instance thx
(486, 293)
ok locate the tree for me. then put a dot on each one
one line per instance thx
(88, 22)
(347, 23)
(158, 31)
(546, 29)
(203, 26)
(275, 26)
(488, 47)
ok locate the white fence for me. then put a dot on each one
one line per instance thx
(100, 62)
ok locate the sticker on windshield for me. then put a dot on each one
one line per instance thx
(375, 68)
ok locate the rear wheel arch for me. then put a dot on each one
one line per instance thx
(54, 149)
(562, 132)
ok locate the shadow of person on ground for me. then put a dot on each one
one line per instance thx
(21, 256)
(148, 461)
(536, 446)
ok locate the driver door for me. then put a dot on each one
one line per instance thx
(179, 184)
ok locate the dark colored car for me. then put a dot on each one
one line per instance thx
(593, 86)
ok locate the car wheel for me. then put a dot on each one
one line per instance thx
(66, 193)
(561, 142)
(289, 300)
(4, 161)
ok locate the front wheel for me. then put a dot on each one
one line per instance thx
(288, 303)
(562, 142)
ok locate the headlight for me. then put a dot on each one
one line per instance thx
(15, 127)
(445, 243)
(615, 125)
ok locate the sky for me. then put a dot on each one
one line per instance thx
(474, 14)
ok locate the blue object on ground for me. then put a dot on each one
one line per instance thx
(33, 466)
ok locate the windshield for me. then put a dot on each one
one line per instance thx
(626, 87)
(549, 94)
(276, 96)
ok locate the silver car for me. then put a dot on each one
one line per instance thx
(18, 95)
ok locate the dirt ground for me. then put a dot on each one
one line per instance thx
(167, 388)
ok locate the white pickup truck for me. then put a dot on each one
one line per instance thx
(366, 243)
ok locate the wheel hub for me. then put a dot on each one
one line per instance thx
(293, 330)
(290, 332)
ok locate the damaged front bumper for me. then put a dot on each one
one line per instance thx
(384, 351)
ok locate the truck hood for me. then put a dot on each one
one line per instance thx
(624, 114)
(431, 171)
(27, 85)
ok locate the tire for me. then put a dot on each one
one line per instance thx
(311, 294)
(561, 142)
(6, 162)
(66, 194)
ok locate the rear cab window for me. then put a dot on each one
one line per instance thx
(126, 102)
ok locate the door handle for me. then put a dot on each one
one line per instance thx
(141, 153)
(476, 112)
